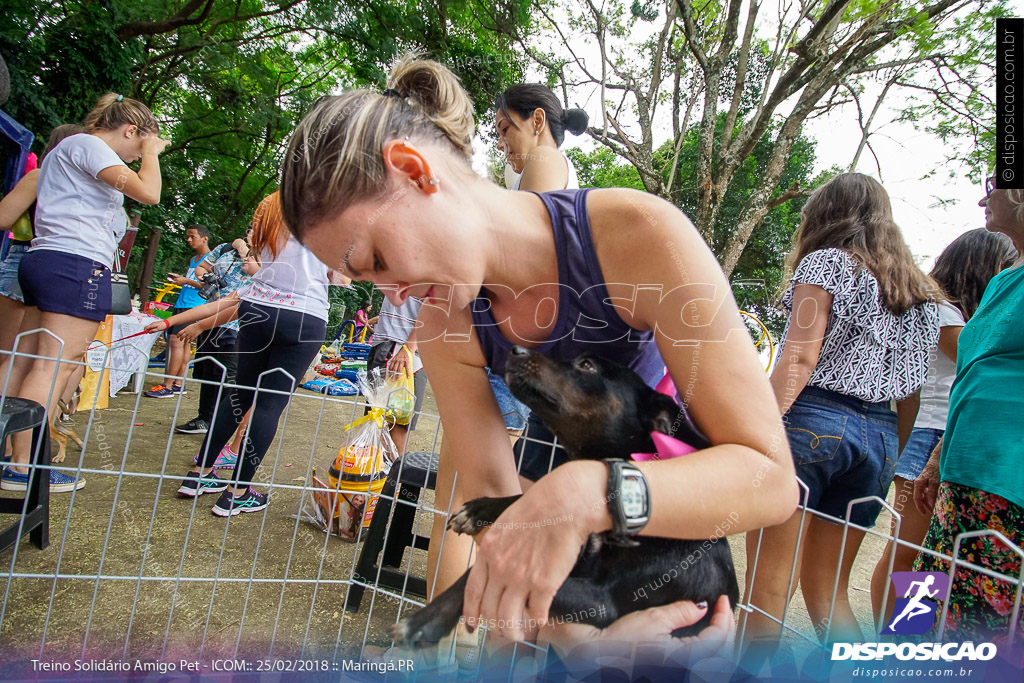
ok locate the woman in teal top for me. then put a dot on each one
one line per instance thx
(977, 481)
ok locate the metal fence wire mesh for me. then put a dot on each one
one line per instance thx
(135, 572)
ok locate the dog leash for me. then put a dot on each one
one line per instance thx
(137, 334)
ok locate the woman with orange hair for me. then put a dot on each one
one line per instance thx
(282, 321)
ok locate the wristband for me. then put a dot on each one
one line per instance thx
(167, 324)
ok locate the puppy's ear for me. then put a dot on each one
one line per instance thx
(666, 414)
(662, 412)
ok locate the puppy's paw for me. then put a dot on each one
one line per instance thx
(463, 522)
(478, 514)
(419, 630)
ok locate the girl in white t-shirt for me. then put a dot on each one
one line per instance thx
(962, 271)
(65, 276)
(282, 321)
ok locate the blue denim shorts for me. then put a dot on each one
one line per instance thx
(512, 409)
(58, 282)
(9, 285)
(843, 448)
(915, 454)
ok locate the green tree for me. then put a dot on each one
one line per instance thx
(760, 272)
(230, 81)
(724, 66)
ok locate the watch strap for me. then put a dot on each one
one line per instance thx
(623, 529)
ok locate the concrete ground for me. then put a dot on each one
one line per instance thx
(117, 524)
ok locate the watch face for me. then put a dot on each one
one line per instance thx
(633, 498)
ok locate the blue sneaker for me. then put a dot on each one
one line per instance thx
(160, 391)
(251, 501)
(59, 482)
(195, 485)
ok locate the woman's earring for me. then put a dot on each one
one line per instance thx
(536, 132)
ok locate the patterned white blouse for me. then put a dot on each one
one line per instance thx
(867, 352)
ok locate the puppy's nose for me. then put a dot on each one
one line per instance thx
(520, 351)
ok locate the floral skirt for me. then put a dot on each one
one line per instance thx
(979, 605)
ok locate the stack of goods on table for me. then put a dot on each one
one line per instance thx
(335, 373)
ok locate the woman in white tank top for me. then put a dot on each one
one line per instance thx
(531, 126)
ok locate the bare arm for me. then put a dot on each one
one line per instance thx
(206, 266)
(225, 310)
(808, 322)
(182, 281)
(949, 339)
(906, 415)
(221, 317)
(715, 367)
(144, 186)
(469, 412)
(18, 200)
(745, 477)
(907, 409)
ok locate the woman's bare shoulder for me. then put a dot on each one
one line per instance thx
(628, 223)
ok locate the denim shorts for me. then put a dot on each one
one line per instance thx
(512, 409)
(9, 285)
(175, 329)
(915, 454)
(69, 284)
(843, 448)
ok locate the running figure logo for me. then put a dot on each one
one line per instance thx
(914, 613)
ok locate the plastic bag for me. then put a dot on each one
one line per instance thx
(22, 228)
(345, 502)
(331, 387)
(401, 398)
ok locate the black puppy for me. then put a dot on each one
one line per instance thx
(598, 410)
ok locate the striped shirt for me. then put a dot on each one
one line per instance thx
(396, 323)
(868, 352)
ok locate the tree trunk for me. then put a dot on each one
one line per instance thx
(758, 204)
(148, 264)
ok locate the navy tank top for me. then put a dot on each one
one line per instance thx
(587, 321)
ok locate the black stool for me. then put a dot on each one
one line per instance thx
(410, 475)
(19, 414)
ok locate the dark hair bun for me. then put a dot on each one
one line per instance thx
(576, 121)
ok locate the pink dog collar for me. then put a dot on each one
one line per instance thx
(666, 447)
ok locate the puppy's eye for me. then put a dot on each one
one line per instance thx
(585, 365)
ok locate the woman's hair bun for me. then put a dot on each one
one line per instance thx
(440, 96)
(576, 121)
